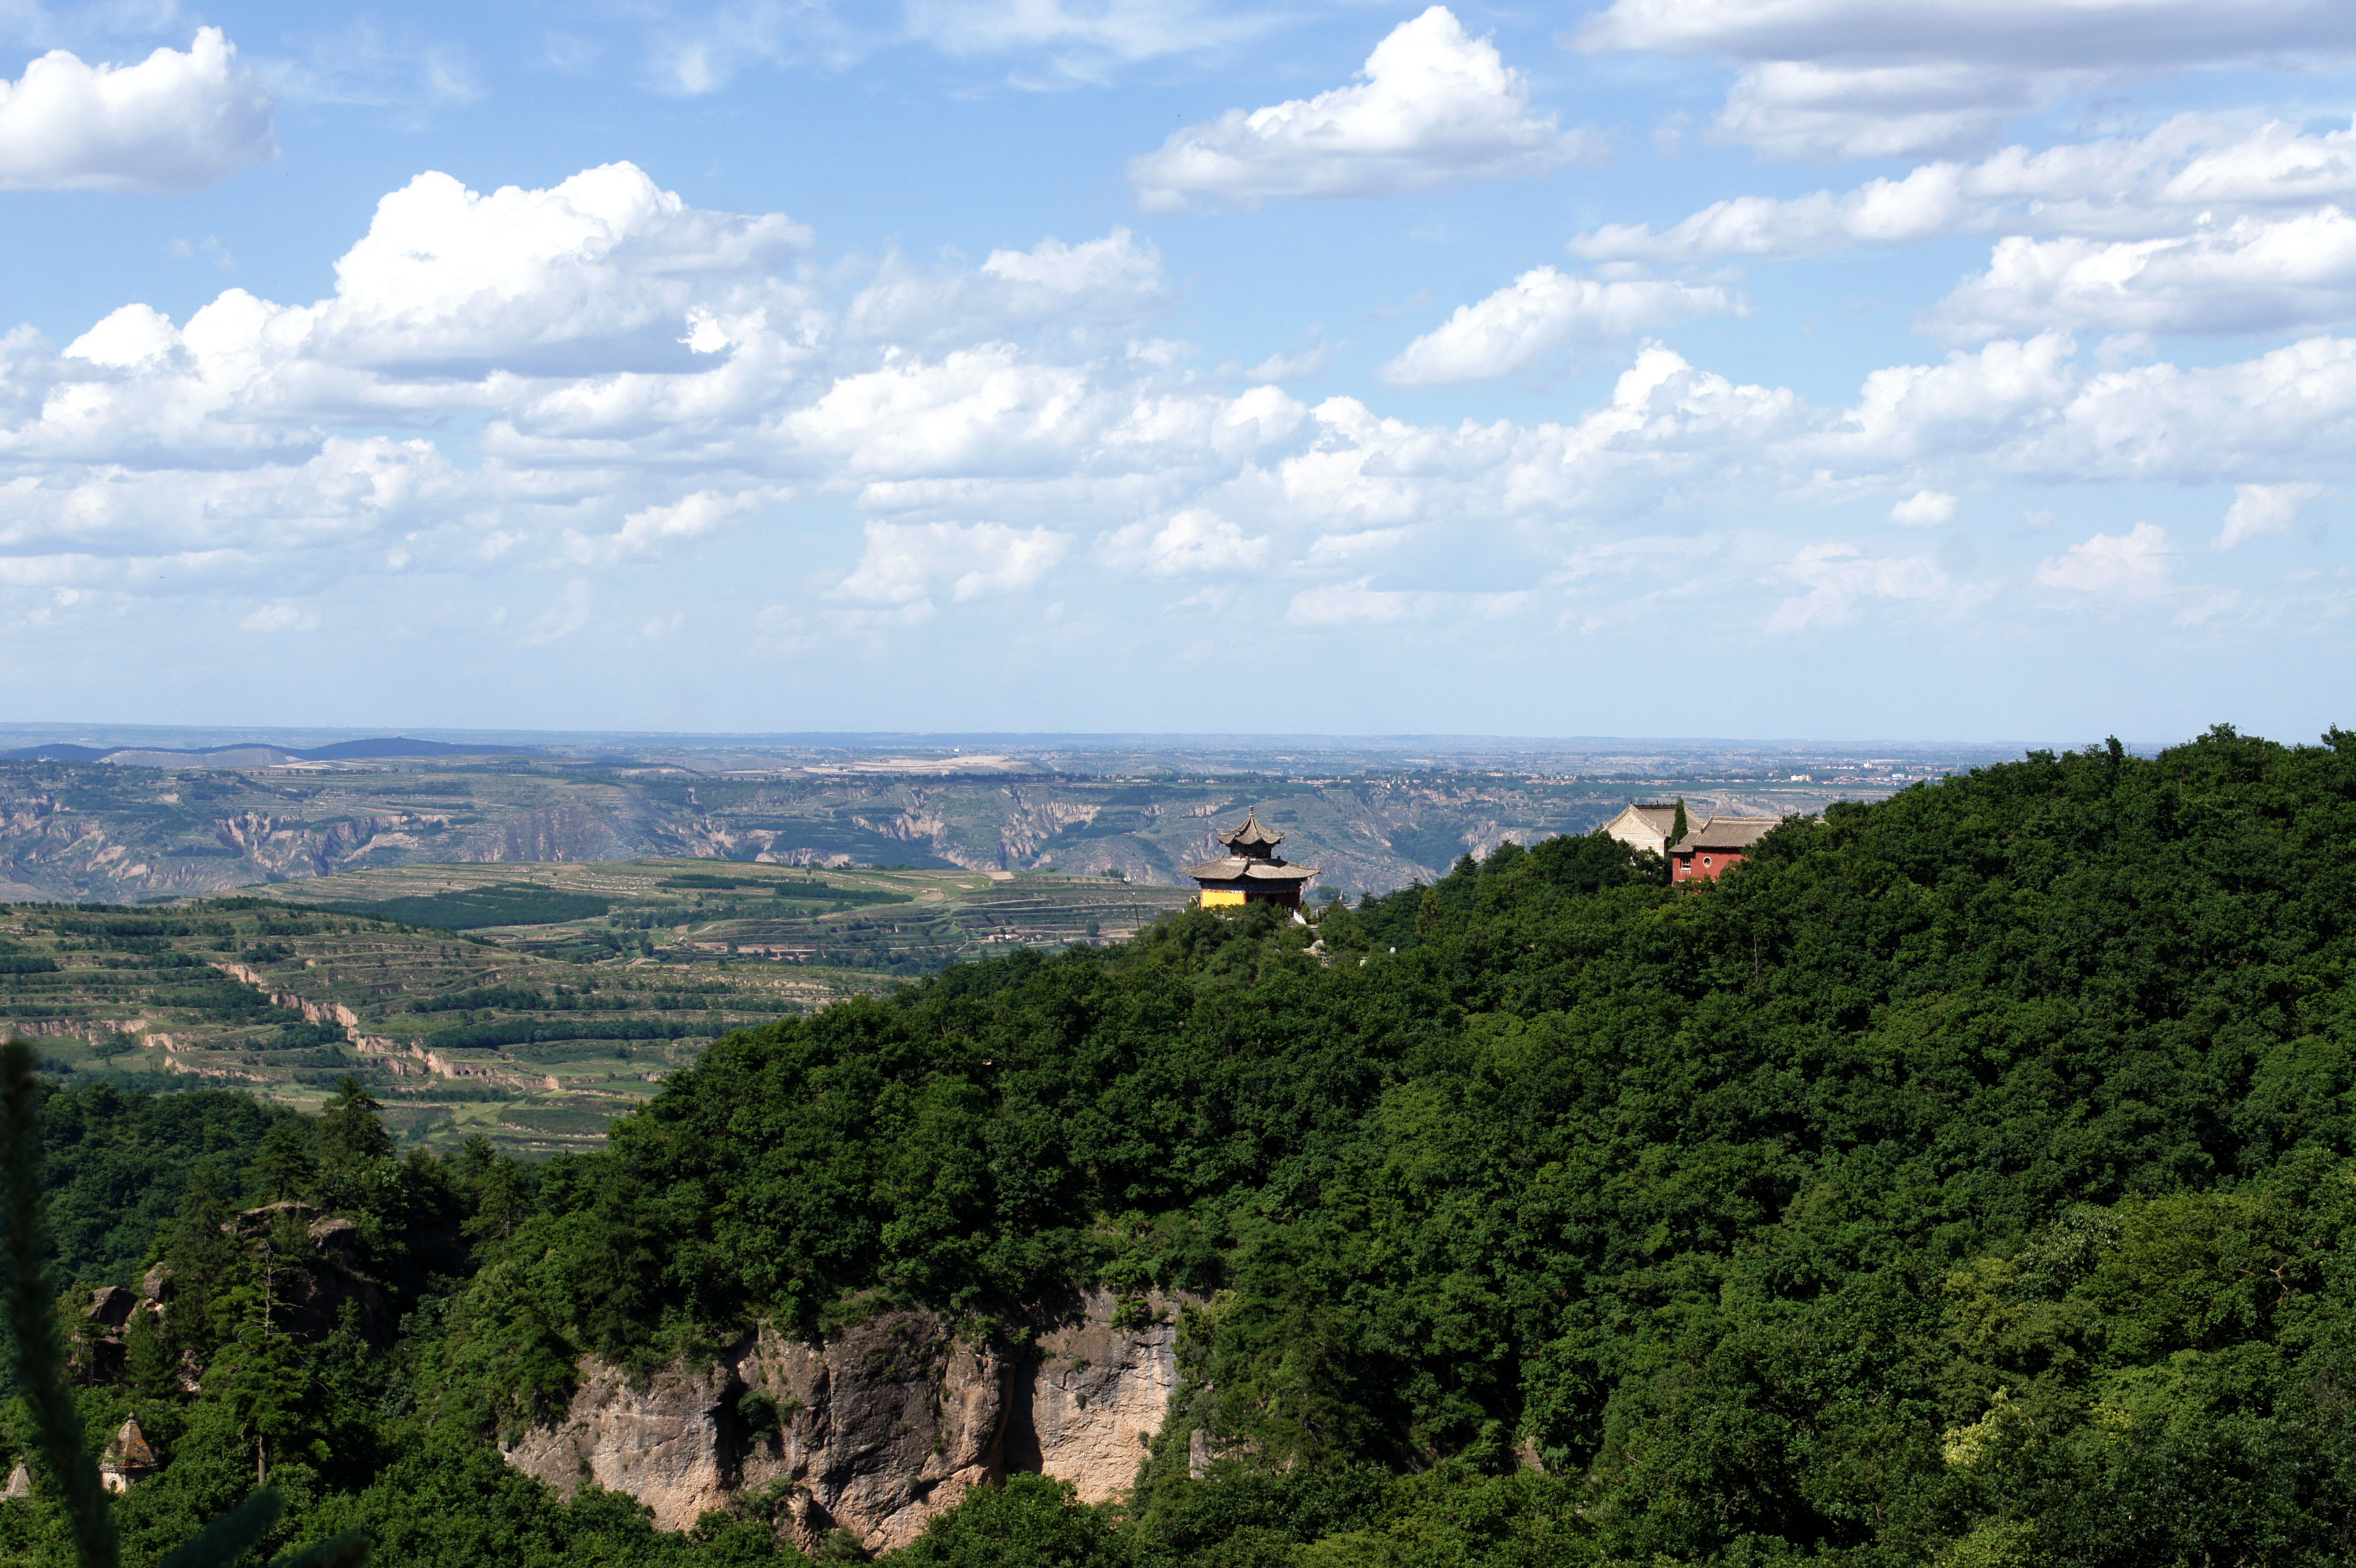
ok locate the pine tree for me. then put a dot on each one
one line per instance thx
(350, 1132)
(200, 1260)
(152, 1369)
(355, 1151)
(288, 1159)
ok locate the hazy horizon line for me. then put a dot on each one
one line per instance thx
(90, 733)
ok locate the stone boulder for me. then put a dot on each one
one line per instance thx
(110, 1305)
(314, 1289)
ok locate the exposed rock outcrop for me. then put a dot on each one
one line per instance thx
(312, 1291)
(312, 1012)
(875, 1429)
(90, 1029)
(662, 1439)
(1097, 1396)
(110, 1305)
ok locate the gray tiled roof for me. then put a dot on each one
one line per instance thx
(1726, 833)
(1252, 833)
(1243, 868)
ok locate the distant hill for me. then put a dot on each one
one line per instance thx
(255, 754)
(192, 823)
(401, 746)
(59, 751)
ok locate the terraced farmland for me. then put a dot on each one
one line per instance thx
(825, 933)
(528, 1002)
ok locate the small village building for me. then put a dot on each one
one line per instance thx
(1647, 826)
(1251, 872)
(1704, 853)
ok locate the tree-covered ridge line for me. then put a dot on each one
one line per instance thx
(1964, 1178)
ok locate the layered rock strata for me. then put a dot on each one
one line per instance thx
(873, 1430)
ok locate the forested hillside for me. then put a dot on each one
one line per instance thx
(1964, 1179)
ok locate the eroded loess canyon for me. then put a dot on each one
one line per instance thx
(96, 830)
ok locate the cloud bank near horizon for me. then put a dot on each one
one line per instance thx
(1406, 364)
(646, 376)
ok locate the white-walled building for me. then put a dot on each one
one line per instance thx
(1645, 827)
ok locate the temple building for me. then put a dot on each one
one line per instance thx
(1647, 825)
(1251, 872)
(1706, 852)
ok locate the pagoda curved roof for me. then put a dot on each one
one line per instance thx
(1252, 833)
(1246, 868)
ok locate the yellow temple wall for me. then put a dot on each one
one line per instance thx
(1213, 898)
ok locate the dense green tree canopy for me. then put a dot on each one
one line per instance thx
(1964, 1178)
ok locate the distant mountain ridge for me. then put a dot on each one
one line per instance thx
(93, 830)
(254, 754)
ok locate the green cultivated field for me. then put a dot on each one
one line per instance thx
(530, 1003)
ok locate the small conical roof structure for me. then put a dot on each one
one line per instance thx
(130, 1446)
(127, 1459)
(1251, 836)
(20, 1482)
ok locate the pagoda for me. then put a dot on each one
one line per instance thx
(1251, 872)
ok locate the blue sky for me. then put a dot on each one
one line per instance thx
(1667, 367)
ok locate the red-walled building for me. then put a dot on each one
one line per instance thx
(1704, 853)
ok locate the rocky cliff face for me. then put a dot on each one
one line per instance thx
(1093, 1397)
(874, 1430)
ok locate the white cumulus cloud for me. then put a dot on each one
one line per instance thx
(1838, 576)
(2193, 173)
(1808, 110)
(1541, 313)
(905, 563)
(597, 273)
(635, 378)
(2020, 34)
(1195, 539)
(1923, 509)
(172, 122)
(2260, 509)
(1930, 201)
(655, 530)
(1097, 291)
(1863, 78)
(2286, 275)
(280, 617)
(2135, 564)
(1432, 107)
